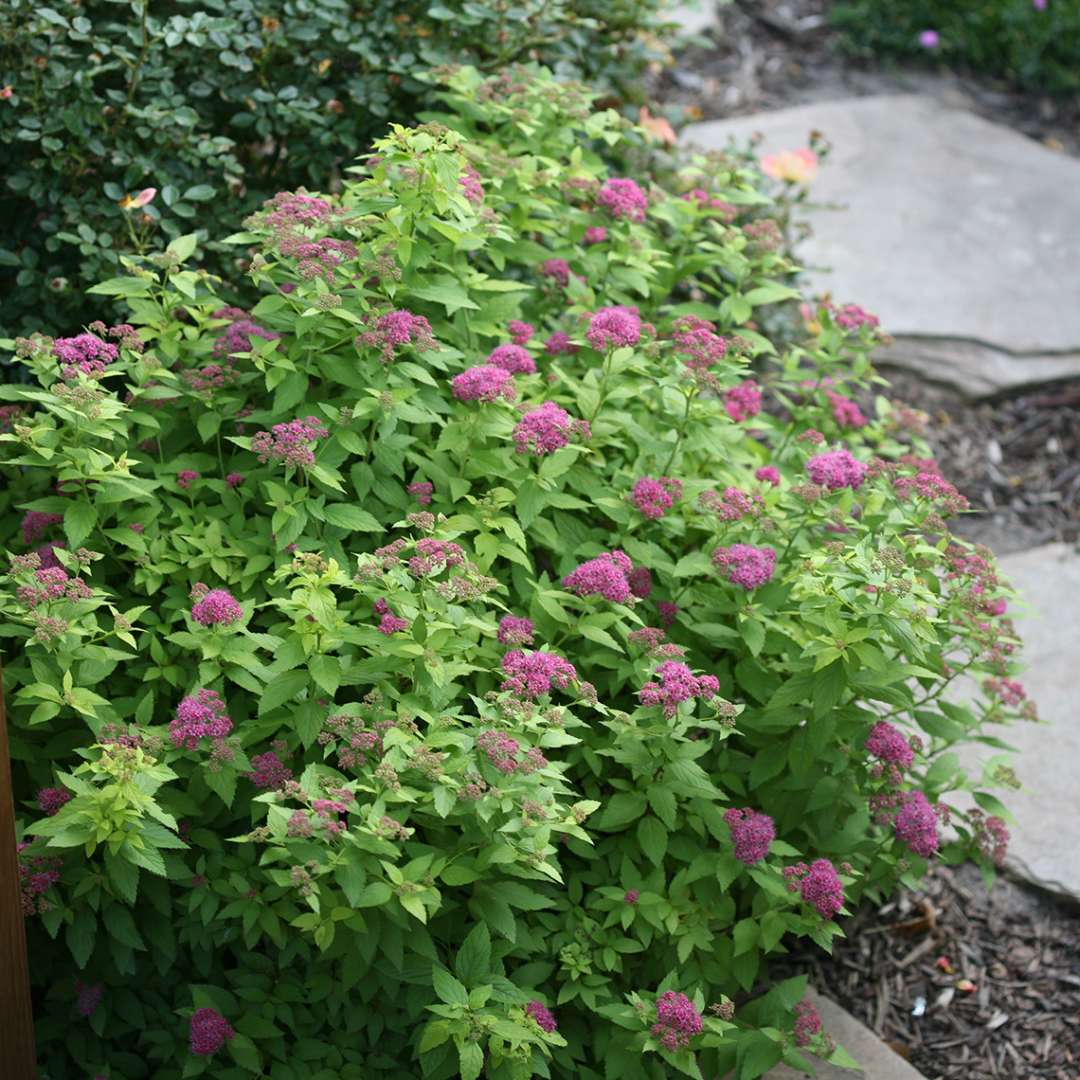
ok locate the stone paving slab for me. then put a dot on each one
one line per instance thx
(961, 234)
(1045, 844)
(697, 18)
(877, 1060)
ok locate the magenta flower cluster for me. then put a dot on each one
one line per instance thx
(743, 401)
(236, 338)
(502, 751)
(395, 329)
(201, 716)
(614, 327)
(483, 383)
(543, 1016)
(51, 799)
(215, 607)
(888, 745)
(677, 1021)
(513, 358)
(514, 630)
(622, 198)
(209, 1032)
(654, 498)
(677, 684)
(822, 888)
(556, 269)
(36, 523)
(389, 623)
(807, 1023)
(836, 469)
(605, 576)
(290, 442)
(745, 565)
(845, 412)
(751, 832)
(269, 772)
(84, 354)
(531, 674)
(916, 824)
(546, 429)
(697, 341)
(559, 344)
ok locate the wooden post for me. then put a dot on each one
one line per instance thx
(18, 1060)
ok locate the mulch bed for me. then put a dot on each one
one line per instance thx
(964, 983)
(1017, 459)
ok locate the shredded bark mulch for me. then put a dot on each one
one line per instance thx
(1017, 459)
(965, 983)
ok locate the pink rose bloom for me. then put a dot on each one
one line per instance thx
(793, 166)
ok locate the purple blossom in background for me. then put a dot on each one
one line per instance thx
(916, 824)
(559, 344)
(743, 401)
(768, 474)
(654, 498)
(595, 234)
(36, 523)
(888, 744)
(929, 39)
(289, 443)
(531, 674)
(677, 684)
(51, 799)
(269, 772)
(556, 269)
(515, 631)
(201, 716)
(521, 333)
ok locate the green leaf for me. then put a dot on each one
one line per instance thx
(447, 988)
(281, 689)
(621, 809)
(448, 292)
(79, 521)
(183, 246)
(351, 517)
(471, 1060)
(653, 838)
(473, 960)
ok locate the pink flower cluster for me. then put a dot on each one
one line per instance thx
(929, 484)
(990, 834)
(87, 998)
(215, 607)
(395, 329)
(845, 412)
(698, 342)
(433, 556)
(820, 886)
(807, 1023)
(37, 875)
(1009, 691)
(605, 576)
(559, 344)
(521, 333)
(556, 269)
(546, 429)
(640, 581)
(84, 354)
(512, 358)
(614, 327)
(315, 258)
(745, 565)
(36, 523)
(768, 474)
(51, 799)
(289, 442)
(484, 383)
(471, 186)
(543, 1016)
(200, 716)
(269, 772)
(705, 201)
(622, 198)
(751, 832)
(677, 684)
(734, 505)
(743, 401)
(236, 338)
(595, 234)
(531, 674)
(210, 1031)
(916, 824)
(654, 498)
(186, 477)
(836, 469)
(514, 630)
(421, 490)
(851, 317)
(888, 745)
(502, 751)
(677, 1021)
(288, 209)
(389, 623)
(53, 584)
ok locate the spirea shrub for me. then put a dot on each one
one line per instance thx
(123, 126)
(413, 734)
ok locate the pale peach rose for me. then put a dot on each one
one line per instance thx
(657, 127)
(797, 166)
(143, 198)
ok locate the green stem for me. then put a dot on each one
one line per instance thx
(679, 434)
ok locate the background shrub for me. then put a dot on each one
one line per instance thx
(446, 665)
(1035, 45)
(219, 104)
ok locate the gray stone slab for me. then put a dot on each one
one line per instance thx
(961, 234)
(877, 1060)
(1045, 844)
